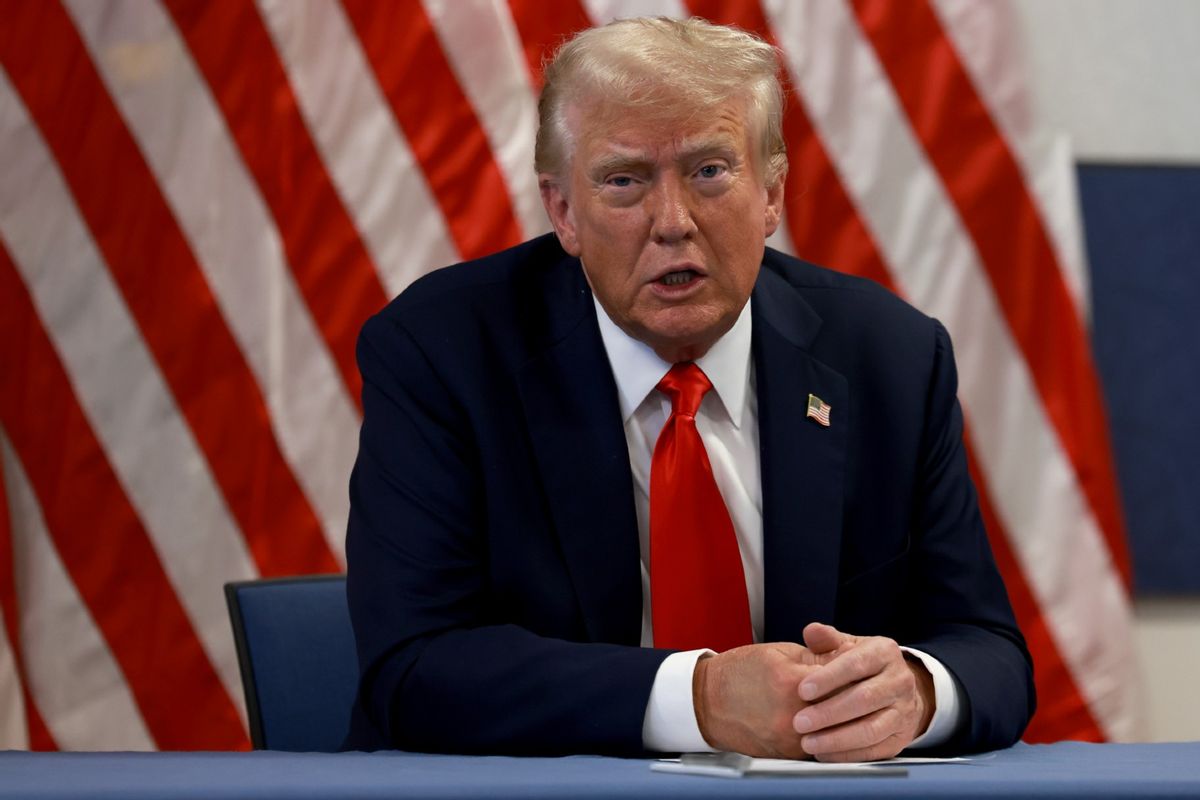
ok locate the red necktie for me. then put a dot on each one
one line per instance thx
(697, 587)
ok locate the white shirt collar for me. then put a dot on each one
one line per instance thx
(638, 369)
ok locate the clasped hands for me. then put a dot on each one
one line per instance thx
(838, 698)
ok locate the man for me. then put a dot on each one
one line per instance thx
(554, 517)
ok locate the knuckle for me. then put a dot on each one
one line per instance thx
(893, 723)
(790, 650)
(872, 731)
(888, 653)
(779, 678)
(779, 727)
(781, 736)
(871, 697)
(884, 725)
(891, 746)
(817, 716)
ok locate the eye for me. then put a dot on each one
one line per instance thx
(620, 181)
(710, 171)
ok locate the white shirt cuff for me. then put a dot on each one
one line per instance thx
(670, 724)
(947, 701)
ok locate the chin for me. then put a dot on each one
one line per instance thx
(675, 346)
(688, 331)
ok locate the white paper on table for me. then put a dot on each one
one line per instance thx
(735, 765)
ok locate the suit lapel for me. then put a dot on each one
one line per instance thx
(574, 423)
(803, 462)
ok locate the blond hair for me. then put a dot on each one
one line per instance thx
(658, 65)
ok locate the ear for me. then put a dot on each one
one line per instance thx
(558, 209)
(774, 209)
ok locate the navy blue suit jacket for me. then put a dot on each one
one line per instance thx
(494, 579)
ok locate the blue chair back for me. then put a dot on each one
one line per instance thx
(296, 651)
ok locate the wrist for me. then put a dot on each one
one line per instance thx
(925, 692)
(700, 696)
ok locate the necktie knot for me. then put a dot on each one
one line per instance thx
(686, 384)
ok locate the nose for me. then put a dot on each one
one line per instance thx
(669, 208)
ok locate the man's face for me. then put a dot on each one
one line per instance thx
(669, 218)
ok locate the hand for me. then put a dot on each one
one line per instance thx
(746, 699)
(867, 702)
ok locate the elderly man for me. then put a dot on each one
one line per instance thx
(647, 485)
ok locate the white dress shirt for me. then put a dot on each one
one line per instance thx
(728, 425)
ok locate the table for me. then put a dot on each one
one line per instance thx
(1064, 770)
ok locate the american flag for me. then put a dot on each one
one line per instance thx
(818, 409)
(200, 203)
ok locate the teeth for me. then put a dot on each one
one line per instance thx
(677, 278)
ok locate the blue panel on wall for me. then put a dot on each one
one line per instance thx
(1143, 240)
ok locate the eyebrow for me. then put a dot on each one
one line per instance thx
(618, 162)
(718, 143)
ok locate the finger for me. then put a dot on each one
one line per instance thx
(888, 748)
(868, 657)
(856, 700)
(862, 734)
(821, 638)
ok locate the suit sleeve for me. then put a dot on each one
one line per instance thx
(438, 670)
(962, 615)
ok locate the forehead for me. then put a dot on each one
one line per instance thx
(605, 130)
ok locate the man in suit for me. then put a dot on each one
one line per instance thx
(552, 549)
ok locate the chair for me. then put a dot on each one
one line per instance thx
(296, 652)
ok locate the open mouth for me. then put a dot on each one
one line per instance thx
(678, 278)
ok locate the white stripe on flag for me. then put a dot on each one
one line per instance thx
(366, 154)
(988, 41)
(481, 43)
(170, 113)
(934, 262)
(14, 731)
(119, 386)
(603, 11)
(73, 678)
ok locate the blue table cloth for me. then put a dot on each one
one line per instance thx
(1064, 770)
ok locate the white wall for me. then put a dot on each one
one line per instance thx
(1123, 78)
(1168, 639)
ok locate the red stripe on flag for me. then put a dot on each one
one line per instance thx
(40, 738)
(39, 735)
(332, 267)
(822, 221)
(442, 128)
(100, 539)
(1062, 712)
(543, 27)
(987, 186)
(163, 287)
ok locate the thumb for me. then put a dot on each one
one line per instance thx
(822, 638)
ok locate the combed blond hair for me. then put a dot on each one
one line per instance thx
(663, 66)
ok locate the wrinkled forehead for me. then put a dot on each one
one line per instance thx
(661, 120)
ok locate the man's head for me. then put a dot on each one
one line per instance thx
(661, 161)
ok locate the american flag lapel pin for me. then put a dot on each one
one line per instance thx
(818, 410)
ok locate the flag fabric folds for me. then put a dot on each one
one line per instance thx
(200, 203)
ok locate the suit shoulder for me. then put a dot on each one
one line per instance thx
(831, 292)
(492, 276)
(499, 306)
